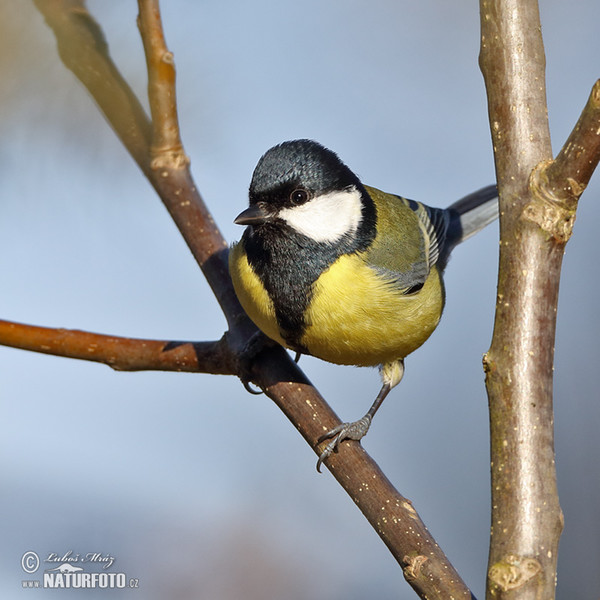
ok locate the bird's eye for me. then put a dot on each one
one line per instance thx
(299, 196)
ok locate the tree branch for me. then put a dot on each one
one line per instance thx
(167, 148)
(537, 207)
(120, 353)
(425, 566)
(572, 169)
(562, 181)
(526, 517)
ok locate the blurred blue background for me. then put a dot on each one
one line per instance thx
(196, 488)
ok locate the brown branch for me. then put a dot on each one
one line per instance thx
(167, 148)
(537, 205)
(526, 517)
(559, 183)
(171, 177)
(578, 158)
(395, 520)
(120, 353)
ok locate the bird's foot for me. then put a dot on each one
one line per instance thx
(346, 431)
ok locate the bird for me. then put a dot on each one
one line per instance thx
(333, 268)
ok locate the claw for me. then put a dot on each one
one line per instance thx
(331, 447)
(250, 389)
(254, 345)
(346, 431)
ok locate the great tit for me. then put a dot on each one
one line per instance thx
(333, 268)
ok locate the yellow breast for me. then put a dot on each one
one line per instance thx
(356, 318)
(252, 295)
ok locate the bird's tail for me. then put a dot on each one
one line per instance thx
(466, 217)
(472, 213)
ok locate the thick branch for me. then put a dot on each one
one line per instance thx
(122, 354)
(537, 207)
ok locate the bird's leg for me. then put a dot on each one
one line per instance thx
(351, 431)
(391, 374)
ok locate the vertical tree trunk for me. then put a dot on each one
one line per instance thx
(526, 516)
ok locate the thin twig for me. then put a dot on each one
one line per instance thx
(166, 149)
(578, 158)
(120, 353)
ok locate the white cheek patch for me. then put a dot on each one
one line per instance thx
(326, 218)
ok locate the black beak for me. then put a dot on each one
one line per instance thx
(253, 215)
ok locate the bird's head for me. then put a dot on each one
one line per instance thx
(307, 187)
